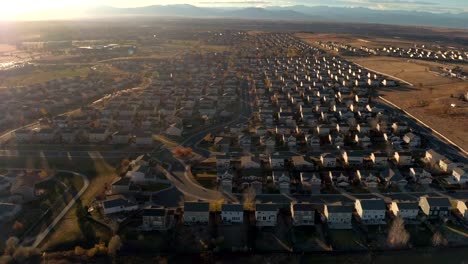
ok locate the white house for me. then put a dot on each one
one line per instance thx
(232, 213)
(303, 214)
(405, 210)
(266, 214)
(435, 207)
(339, 216)
(117, 205)
(371, 211)
(196, 212)
(353, 158)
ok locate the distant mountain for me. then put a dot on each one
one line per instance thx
(297, 12)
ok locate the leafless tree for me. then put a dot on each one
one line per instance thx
(398, 237)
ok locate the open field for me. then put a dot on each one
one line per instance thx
(40, 76)
(356, 40)
(430, 97)
(7, 48)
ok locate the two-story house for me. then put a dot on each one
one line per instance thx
(196, 212)
(232, 213)
(435, 207)
(371, 211)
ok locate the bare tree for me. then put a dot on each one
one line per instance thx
(249, 199)
(438, 240)
(398, 237)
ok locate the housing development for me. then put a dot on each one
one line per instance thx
(224, 141)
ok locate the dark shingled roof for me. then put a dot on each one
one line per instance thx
(373, 204)
(438, 201)
(196, 206)
(232, 207)
(154, 211)
(116, 202)
(340, 209)
(408, 206)
(307, 207)
(267, 207)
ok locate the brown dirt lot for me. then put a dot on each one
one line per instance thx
(7, 48)
(430, 97)
(356, 41)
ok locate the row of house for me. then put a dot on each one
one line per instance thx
(337, 216)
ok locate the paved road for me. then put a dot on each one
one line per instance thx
(181, 175)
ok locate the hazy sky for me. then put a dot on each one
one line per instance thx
(18, 9)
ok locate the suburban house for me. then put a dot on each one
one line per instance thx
(405, 210)
(223, 162)
(460, 175)
(339, 216)
(379, 159)
(412, 139)
(121, 185)
(403, 158)
(421, 176)
(196, 212)
(226, 182)
(266, 214)
(303, 214)
(447, 165)
(353, 158)
(328, 160)
(435, 207)
(432, 156)
(157, 218)
(174, 130)
(371, 211)
(117, 204)
(232, 213)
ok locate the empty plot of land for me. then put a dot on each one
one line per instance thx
(7, 48)
(434, 99)
(356, 41)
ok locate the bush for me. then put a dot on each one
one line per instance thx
(114, 245)
(24, 253)
(11, 245)
(6, 259)
(79, 251)
(91, 252)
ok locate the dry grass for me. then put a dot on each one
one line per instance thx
(7, 48)
(356, 41)
(430, 97)
(40, 76)
(68, 231)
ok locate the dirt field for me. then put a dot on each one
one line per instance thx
(430, 97)
(356, 41)
(7, 48)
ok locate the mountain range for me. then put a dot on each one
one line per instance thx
(293, 13)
